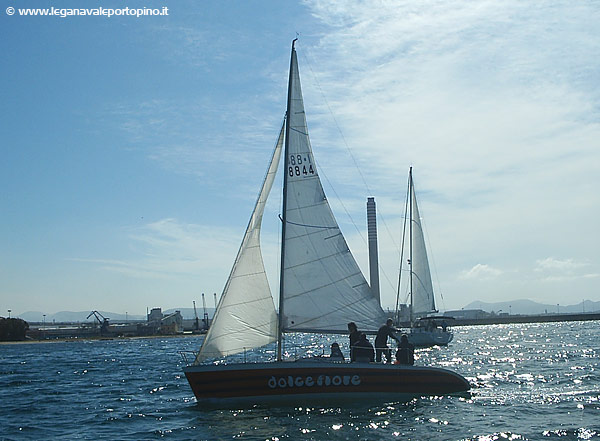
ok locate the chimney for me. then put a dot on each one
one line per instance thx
(373, 254)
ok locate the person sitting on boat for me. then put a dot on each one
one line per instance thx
(406, 352)
(354, 337)
(363, 350)
(336, 352)
(381, 341)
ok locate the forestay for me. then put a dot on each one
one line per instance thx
(323, 287)
(245, 317)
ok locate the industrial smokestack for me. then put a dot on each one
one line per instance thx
(373, 253)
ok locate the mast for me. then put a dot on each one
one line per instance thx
(402, 249)
(410, 258)
(284, 207)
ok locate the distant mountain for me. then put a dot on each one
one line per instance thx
(513, 307)
(530, 307)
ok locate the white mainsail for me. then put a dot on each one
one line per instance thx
(323, 288)
(423, 301)
(245, 317)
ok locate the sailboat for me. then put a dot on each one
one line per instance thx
(321, 290)
(426, 328)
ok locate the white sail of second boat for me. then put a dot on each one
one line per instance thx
(427, 330)
(423, 301)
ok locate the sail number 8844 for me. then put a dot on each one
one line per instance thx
(300, 165)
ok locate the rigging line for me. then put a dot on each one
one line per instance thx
(402, 254)
(425, 232)
(322, 172)
(434, 265)
(277, 235)
(304, 54)
(360, 233)
(336, 123)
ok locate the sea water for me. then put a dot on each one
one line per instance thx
(530, 382)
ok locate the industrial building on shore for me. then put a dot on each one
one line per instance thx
(156, 323)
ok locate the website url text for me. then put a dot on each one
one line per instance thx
(106, 12)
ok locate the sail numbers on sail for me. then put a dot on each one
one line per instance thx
(300, 166)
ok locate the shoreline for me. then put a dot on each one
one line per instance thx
(499, 320)
(88, 339)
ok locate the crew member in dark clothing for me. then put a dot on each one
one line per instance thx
(336, 352)
(381, 341)
(406, 352)
(354, 337)
(363, 350)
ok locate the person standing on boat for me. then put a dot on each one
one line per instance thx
(354, 337)
(381, 341)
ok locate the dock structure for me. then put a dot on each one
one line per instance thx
(509, 319)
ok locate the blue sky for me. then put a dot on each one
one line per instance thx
(133, 148)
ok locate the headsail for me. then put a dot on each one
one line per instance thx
(323, 287)
(245, 317)
(423, 301)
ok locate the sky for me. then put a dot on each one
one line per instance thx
(133, 148)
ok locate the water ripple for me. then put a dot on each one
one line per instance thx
(530, 382)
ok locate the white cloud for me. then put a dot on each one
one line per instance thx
(556, 270)
(480, 271)
(552, 264)
(453, 86)
(171, 249)
(494, 105)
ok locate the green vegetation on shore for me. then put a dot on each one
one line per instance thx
(13, 329)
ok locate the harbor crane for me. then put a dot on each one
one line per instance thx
(102, 321)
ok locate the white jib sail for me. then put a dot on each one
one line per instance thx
(245, 317)
(323, 288)
(422, 289)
